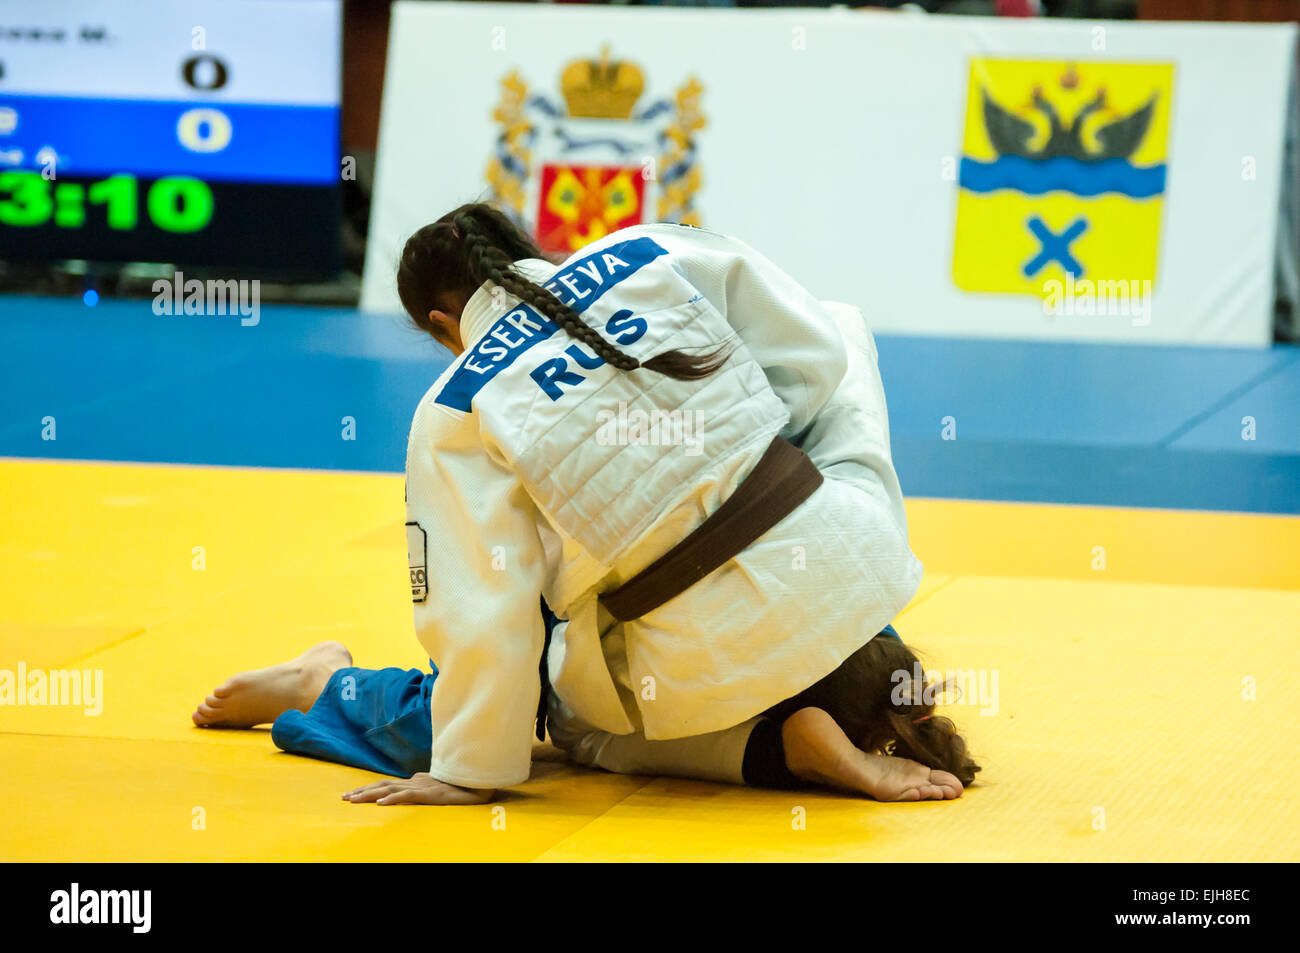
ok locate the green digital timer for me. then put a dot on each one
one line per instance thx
(179, 204)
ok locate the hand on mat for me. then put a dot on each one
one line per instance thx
(421, 788)
(901, 779)
(818, 750)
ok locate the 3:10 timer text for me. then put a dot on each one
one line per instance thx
(174, 204)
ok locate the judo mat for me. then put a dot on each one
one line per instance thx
(1132, 664)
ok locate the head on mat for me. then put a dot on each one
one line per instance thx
(862, 696)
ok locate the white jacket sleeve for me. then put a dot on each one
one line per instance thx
(716, 756)
(480, 618)
(790, 333)
(849, 440)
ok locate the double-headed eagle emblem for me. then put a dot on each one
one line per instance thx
(1011, 135)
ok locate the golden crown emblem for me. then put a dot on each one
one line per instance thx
(603, 88)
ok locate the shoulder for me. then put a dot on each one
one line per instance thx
(675, 239)
(433, 417)
(673, 234)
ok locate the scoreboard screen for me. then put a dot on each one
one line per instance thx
(194, 132)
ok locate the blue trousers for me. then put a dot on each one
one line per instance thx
(377, 719)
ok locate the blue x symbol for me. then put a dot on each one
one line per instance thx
(1055, 247)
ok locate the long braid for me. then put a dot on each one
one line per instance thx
(476, 243)
(491, 264)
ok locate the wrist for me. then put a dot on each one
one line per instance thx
(817, 750)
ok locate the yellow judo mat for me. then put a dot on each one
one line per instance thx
(1138, 695)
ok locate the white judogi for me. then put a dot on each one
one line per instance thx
(529, 471)
(849, 441)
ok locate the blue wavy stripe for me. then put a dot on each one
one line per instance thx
(1062, 174)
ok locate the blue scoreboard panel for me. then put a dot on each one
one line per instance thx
(194, 132)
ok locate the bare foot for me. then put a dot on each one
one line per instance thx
(263, 695)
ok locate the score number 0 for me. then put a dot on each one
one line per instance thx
(175, 203)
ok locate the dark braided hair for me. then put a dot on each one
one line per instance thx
(443, 264)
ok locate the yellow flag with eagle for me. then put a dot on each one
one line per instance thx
(1062, 176)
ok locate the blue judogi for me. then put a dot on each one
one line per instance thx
(366, 718)
(376, 719)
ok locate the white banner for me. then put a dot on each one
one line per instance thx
(1086, 180)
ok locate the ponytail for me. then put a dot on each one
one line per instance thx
(476, 243)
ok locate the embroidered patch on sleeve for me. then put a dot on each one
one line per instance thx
(417, 558)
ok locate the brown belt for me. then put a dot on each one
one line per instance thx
(783, 478)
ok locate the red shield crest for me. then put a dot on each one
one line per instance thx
(578, 204)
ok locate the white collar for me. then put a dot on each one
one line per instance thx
(481, 311)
